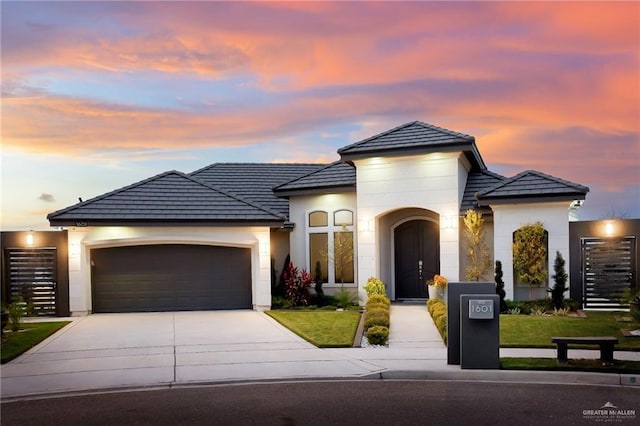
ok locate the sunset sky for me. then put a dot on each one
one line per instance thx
(98, 95)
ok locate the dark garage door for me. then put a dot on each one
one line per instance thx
(170, 278)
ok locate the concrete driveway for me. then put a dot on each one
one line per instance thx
(123, 351)
(106, 351)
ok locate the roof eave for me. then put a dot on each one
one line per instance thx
(272, 223)
(490, 201)
(398, 152)
(315, 191)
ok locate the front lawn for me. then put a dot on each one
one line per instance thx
(325, 329)
(551, 364)
(16, 343)
(532, 331)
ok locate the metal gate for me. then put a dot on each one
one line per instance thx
(32, 278)
(608, 269)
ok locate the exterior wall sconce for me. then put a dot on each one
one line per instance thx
(74, 249)
(30, 239)
(608, 229)
(366, 225)
(448, 222)
(264, 248)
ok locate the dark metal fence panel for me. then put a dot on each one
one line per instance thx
(608, 270)
(32, 278)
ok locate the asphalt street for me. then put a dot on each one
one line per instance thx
(349, 402)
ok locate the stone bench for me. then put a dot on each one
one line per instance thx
(606, 344)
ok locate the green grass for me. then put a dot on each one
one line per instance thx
(551, 364)
(325, 329)
(16, 343)
(530, 331)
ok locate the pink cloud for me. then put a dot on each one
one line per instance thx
(547, 85)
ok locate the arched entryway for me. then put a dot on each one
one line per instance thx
(416, 256)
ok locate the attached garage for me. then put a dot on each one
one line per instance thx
(170, 277)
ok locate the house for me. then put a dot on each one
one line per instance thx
(212, 239)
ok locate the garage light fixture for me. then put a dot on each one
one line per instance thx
(608, 229)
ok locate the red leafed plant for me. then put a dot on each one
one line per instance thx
(297, 284)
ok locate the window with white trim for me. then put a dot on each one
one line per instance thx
(331, 245)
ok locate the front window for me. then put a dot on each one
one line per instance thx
(343, 255)
(318, 248)
(331, 245)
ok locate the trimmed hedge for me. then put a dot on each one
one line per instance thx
(372, 320)
(378, 298)
(378, 335)
(377, 319)
(438, 311)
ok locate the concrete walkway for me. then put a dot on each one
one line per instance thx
(122, 351)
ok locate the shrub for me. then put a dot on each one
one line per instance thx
(573, 305)
(531, 306)
(500, 286)
(377, 335)
(374, 286)
(441, 322)
(16, 312)
(432, 302)
(297, 284)
(377, 309)
(377, 306)
(438, 311)
(537, 311)
(318, 280)
(377, 312)
(279, 302)
(344, 298)
(560, 278)
(329, 308)
(376, 319)
(562, 312)
(378, 299)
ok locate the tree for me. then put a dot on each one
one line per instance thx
(500, 286)
(342, 256)
(342, 252)
(560, 282)
(477, 249)
(530, 255)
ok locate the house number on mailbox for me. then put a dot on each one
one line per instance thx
(480, 309)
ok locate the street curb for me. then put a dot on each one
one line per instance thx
(495, 376)
(528, 377)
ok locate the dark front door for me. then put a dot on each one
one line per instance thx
(417, 257)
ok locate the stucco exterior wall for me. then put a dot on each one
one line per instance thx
(508, 218)
(82, 240)
(386, 184)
